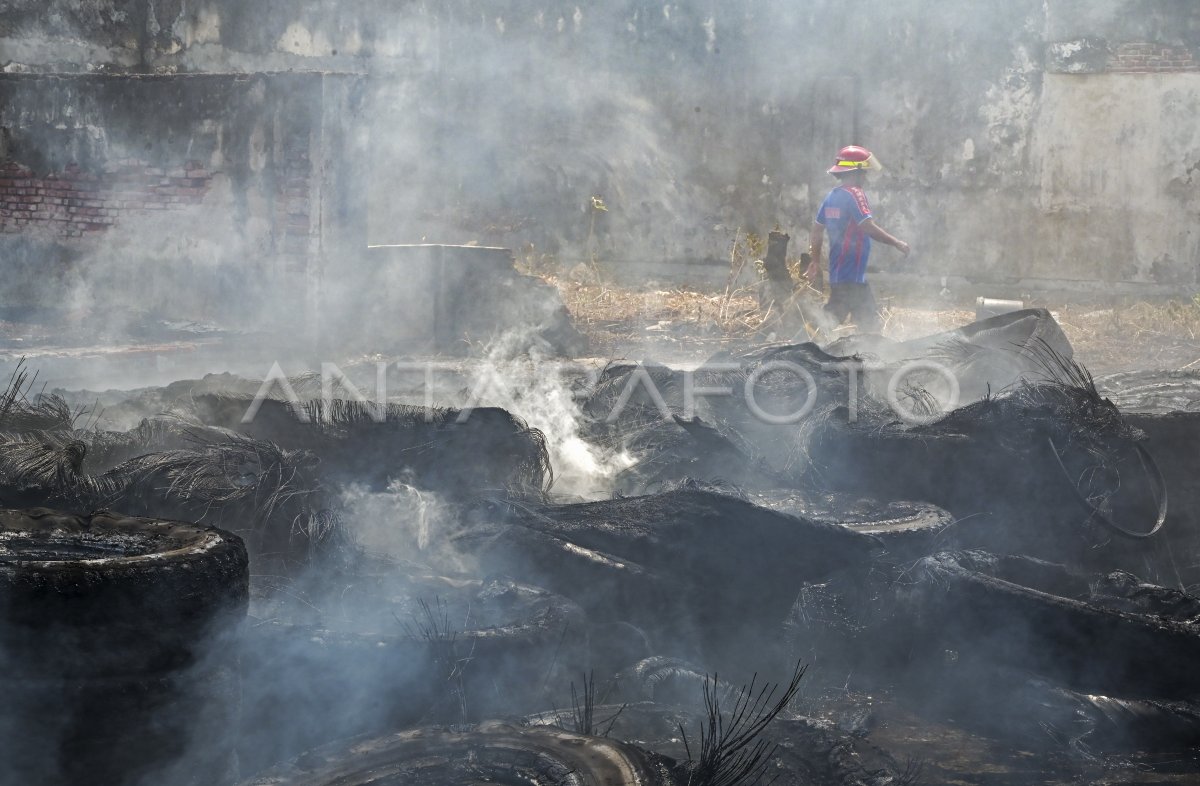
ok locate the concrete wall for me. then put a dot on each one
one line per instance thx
(1029, 143)
(185, 194)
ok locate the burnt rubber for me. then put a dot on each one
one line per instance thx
(901, 526)
(1152, 392)
(1029, 614)
(489, 753)
(176, 729)
(1158, 486)
(388, 651)
(454, 451)
(107, 594)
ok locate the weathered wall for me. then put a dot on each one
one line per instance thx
(1027, 141)
(184, 194)
(1116, 143)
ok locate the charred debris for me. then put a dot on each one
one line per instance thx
(401, 595)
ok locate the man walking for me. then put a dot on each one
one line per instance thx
(846, 217)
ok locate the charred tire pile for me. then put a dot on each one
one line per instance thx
(269, 496)
(976, 463)
(111, 634)
(453, 451)
(434, 650)
(1034, 615)
(490, 753)
(678, 563)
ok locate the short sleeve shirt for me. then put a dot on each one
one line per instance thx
(842, 213)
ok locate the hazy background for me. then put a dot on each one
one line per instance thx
(1025, 147)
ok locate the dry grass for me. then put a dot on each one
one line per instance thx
(614, 316)
(1139, 335)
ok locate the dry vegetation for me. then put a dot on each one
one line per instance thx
(615, 317)
(1106, 338)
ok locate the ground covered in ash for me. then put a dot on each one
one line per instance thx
(709, 555)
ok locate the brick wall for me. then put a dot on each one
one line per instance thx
(74, 203)
(1149, 58)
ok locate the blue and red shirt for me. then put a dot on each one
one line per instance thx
(842, 213)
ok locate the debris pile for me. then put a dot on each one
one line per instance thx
(964, 527)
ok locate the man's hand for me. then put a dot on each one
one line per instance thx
(902, 247)
(816, 242)
(812, 271)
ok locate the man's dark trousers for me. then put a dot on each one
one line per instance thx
(854, 299)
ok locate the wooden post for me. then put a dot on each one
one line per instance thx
(779, 279)
(792, 315)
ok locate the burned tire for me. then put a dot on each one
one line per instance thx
(106, 594)
(112, 641)
(1152, 392)
(1034, 615)
(903, 527)
(490, 753)
(175, 728)
(389, 651)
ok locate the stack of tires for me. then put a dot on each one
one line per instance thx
(113, 634)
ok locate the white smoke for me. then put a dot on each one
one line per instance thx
(538, 389)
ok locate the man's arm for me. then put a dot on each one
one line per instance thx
(816, 240)
(876, 232)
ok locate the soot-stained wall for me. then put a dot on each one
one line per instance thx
(1030, 143)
